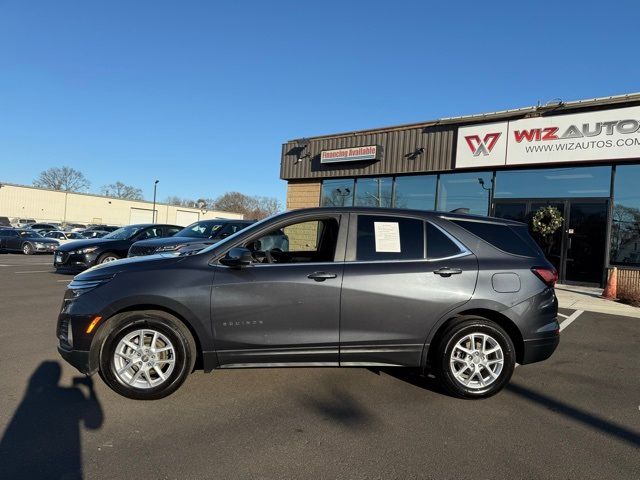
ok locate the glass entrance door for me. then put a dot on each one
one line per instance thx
(577, 250)
(586, 242)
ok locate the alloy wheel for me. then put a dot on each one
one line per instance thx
(144, 359)
(476, 360)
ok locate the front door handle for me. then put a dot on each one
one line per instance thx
(321, 276)
(447, 272)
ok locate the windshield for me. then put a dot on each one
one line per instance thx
(200, 230)
(74, 236)
(124, 233)
(29, 234)
(250, 229)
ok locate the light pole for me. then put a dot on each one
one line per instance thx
(153, 213)
(489, 191)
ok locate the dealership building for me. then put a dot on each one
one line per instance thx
(581, 157)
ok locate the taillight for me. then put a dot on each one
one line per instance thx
(548, 275)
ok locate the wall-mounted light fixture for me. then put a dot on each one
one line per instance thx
(302, 144)
(415, 154)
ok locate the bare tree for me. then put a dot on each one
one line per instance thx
(65, 179)
(120, 190)
(182, 202)
(250, 207)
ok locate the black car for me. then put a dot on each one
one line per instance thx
(26, 241)
(463, 296)
(199, 234)
(82, 254)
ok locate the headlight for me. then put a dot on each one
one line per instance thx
(79, 287)
(82, 251)
(168, 248)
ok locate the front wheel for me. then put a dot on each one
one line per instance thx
(107, 258)
(147, 355)
(27, 249)
(475, 358)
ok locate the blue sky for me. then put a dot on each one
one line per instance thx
(201, 94)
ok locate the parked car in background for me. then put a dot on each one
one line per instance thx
(73, 227)
(5, 222)
(102, 227)
(26, 241)
(462, 296)
(202, 234)
(42, 227)
(64, 237)
(21, 222)
(89, 233)
(83, 254)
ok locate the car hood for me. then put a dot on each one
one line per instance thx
(90, 242)
(161, 242)
(127, 265)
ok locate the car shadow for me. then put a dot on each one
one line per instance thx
(43, 439)
(412, 377)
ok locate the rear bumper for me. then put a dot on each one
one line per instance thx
(539, 349)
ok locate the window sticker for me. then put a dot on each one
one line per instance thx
(387, 236)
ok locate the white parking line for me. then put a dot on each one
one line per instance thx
(570, 319)
(563, 315)
(35, 271)
(68, 281)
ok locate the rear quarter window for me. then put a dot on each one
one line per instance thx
(501, 236)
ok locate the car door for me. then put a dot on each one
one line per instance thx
(283, 309)
(14, 241)
(395, 287)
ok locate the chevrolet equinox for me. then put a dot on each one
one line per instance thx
(462, 296)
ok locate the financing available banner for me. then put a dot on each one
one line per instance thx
(601, 135)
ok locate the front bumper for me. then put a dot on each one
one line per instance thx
(45, 248)
(77, 358)
(76, 261)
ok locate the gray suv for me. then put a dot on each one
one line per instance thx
(462, 296)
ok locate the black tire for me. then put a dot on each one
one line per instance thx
(105, 256)
(174, 330)
(27, 249)
(457, 331)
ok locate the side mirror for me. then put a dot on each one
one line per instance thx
(237, 257)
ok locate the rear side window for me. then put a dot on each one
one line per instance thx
(389, 238)
(438, 244)
(500, 236)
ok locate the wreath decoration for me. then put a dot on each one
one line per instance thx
(547, 220)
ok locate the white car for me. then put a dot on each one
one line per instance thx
(64, 237)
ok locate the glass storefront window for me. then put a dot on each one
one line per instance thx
(577, 182)
(417, 192)
(470, 191)
(337, 193)
(625, 225)
(373, 192)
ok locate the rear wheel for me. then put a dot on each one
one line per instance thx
(147, 355)
(475, 358)
(27, 249)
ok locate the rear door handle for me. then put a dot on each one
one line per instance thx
(321, 276)
(447, 272)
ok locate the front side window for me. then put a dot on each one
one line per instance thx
(300, 242)
(152, 232)
(389, 238)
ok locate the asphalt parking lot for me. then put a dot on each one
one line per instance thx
(576, 415)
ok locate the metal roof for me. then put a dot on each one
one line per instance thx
(555, 107)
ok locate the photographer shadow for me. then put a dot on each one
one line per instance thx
(43, 439)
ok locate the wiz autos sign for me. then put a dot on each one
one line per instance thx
(355, 154)
(603, 135)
